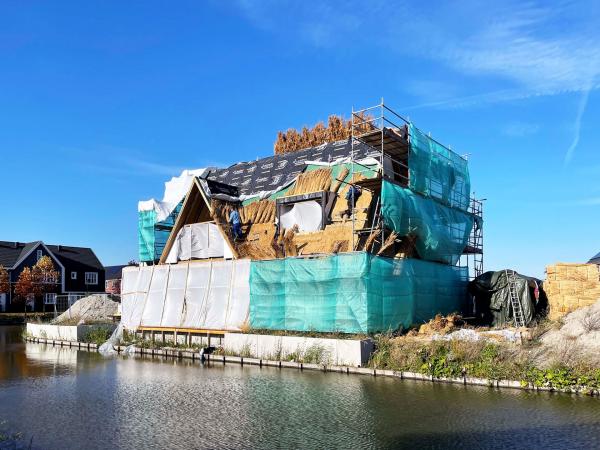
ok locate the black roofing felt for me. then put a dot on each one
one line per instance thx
(114, 272)
(11, 252)
(267, 174)
(81, 255)
(595, 259)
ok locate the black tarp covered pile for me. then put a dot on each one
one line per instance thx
(491, 295)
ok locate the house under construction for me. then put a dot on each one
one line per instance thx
(393, 254)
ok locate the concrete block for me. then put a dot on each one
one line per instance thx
(340, 352)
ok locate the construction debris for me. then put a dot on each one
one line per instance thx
(442, 324)
(571, 286)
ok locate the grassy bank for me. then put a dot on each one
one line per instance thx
(530, 363)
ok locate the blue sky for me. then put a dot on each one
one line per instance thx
(100, 103)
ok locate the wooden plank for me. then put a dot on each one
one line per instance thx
(181, 330)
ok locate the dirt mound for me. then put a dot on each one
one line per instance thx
(90, 309)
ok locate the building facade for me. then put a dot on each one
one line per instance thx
(80, 272)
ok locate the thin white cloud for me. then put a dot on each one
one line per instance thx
(577, 125)
(530, 48)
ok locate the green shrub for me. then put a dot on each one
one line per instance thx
(98, 335)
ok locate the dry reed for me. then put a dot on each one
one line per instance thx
(337, 129)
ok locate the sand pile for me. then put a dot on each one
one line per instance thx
(94, 308)
(579, 333)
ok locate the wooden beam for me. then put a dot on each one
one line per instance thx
(181, 330)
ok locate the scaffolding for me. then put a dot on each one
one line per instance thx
(391, 138)
(379, 128)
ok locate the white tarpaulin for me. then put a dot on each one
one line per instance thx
(198, 241)
(155, 299)
(132, 302)
(204, 295)
(175, 296)
(175, 190)
(308, 215)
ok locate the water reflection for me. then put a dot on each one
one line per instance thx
(71, 399)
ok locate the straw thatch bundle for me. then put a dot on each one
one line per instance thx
(262, 211)
(337, 129)
(313, 181)
(371, 240)
(288, 241)
(388, 242)
(339, 180)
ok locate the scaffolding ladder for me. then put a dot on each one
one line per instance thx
(515, 301)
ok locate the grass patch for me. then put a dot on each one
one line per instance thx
(482, 359)
(98, 335)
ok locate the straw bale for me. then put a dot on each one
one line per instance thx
(571, 286)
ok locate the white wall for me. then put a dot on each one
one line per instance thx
(62, 332)
(340, 352)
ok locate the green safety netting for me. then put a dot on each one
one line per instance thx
(153, 234)
(146, 221)
(442, 233)
(352, 293)
(437, 172)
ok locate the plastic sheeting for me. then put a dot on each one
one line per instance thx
(209, 295)
(199, 241)
(442, 232)
(437, 172)
(352, 293)
(308, 215)
(175, 190)
(157, 217)
(493, 305)
(134, 289)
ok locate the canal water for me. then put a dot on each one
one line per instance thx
(69, 399)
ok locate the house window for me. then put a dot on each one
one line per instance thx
(91, 278)
(39, 255)
(49, 279)
(49, 299)
(73, 275)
